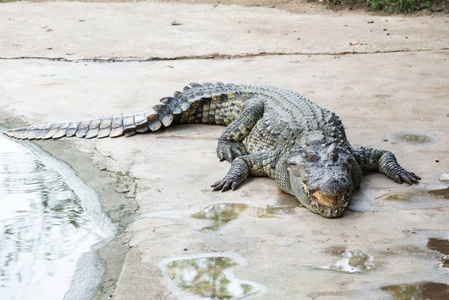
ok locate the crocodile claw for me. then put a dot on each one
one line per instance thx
(225, 184)
(238, 173)
(227, 150)
(390, 167)
(401, 175)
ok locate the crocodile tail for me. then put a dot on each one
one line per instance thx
(189, 106)
(113, 126)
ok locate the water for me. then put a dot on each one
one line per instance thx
(352, 261)
(210, 276)
(424, 290)
(442, 246)
(220, 214)
(412, 137)
(204, 276)
(43, 228)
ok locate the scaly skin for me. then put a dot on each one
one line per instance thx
(270, 132)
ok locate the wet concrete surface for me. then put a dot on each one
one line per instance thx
(153, 185)
(44, 230)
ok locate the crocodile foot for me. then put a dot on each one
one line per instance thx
(227, 150)
(401, 175)
(390, 167)
(238, 173)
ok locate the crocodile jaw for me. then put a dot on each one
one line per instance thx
(327, 206)
(323, 200)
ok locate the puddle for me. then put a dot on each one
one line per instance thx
(415, 195)
(220, 214)
(352, 261)
(273, 211)
(335, 250)
(424, 290)
(442, 193)
(407, 196)
(209, 276)
(43, 228)
(412, 137)
(442, 246)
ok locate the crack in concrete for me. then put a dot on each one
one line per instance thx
(215, 56)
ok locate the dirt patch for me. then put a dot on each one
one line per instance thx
(320, 6)
(418, 7)
(295, 6)
(291, 6)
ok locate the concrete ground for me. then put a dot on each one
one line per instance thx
(64, 61)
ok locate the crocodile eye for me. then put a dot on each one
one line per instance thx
(311, 157)
(309, 154)
(292, 163)
(333, 156)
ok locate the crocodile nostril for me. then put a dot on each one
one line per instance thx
(335, 187)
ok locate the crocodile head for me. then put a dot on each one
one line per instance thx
(323, 177)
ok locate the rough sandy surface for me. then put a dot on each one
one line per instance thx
(393, 78)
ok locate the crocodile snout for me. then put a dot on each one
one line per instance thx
(335, 188)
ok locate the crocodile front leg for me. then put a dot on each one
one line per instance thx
(230, 144)
(256, 164)
(385, 162)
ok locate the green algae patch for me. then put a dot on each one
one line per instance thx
(220, 214)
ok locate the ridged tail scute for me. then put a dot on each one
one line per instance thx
(113, 126)
(170, 111)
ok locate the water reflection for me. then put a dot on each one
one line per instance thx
(442, 246)
(210, 276)
(220, 214)
(204, 276)
(424, 290)
(412, 137)
(43, 229)
(352, 261)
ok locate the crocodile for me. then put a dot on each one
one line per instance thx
(270, 132)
